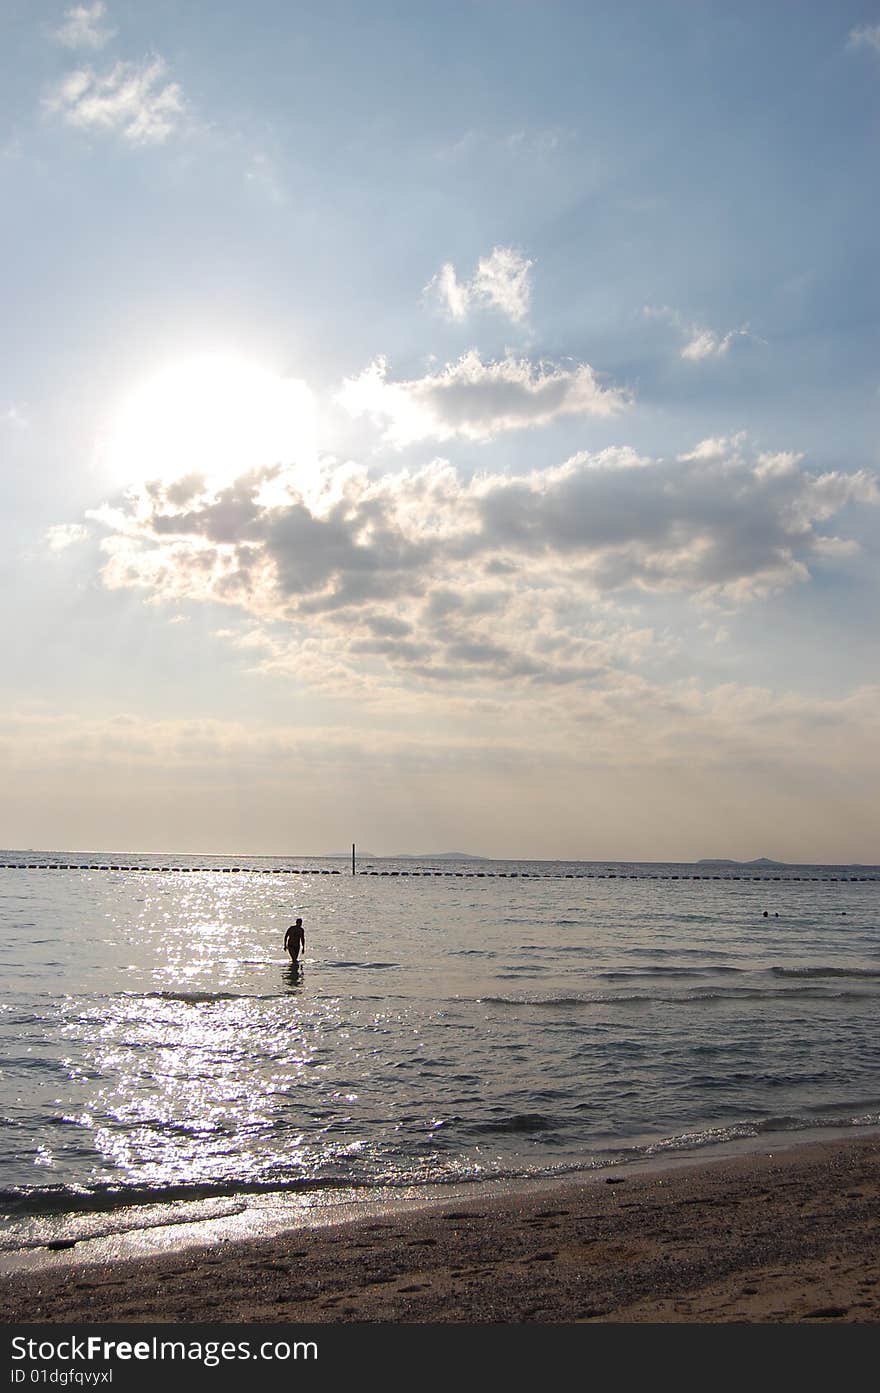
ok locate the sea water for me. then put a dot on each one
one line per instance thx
(451, 1022)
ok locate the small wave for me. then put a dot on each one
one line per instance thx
(516, 1122)
(63, 1199)
(197, 998)
(679, 952)
(740, 1131)
(369, 967)
(855, 972)
(693, 1141)
(817, 993)
(857, 1105)
(628, 974)
(544, 1000)
(799, 1124)
(115, 1223)
(750, 1077)
(690, 998)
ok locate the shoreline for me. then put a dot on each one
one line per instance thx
(773, 1233)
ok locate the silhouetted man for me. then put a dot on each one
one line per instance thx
(295, 940)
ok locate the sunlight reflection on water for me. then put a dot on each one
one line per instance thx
(157, 1036)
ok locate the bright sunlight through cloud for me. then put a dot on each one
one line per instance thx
(216, 415)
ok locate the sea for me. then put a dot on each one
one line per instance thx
(168, 1075)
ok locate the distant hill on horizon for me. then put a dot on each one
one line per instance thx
(759, 861)
(435, 856)
(409, 856)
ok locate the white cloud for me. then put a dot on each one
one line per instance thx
(865, 36)
(500, 282)
(82, 27)
(453, 295)
(474, 630)
(132, 100)
(735, 770)
(14, 416)
(496, 583)
(538, 141)
(476, 400)
(262, 172)
(629, 721)
(64, 535)
(701, 343)
(715, 447)
(532, 145)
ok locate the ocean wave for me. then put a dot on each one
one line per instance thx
(817, 993)
(201, 998)
(630, 974)
(175, 1203)
(173, 1047)
(722, 1080)
(541, 1001)
(856, 972)
(854, 1106)
(696, 996)
(29, 1202)
(368, 967)
(516, 1122)
(62, 1199)
(112, 1223)
(854, 1120)
(708, 1137)
(678, 952)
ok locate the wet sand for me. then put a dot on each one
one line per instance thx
(782, 1236)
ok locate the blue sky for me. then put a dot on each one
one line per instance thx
(441, 426)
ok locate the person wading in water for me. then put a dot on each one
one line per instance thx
(295, 940)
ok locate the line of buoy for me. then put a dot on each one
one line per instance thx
(180, 870)
(417, 875)
(427, 874)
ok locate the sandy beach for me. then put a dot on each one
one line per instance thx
(775, 1236)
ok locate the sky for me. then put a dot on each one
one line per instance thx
(441, 427)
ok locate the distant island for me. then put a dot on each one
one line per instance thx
(408, 856)
(436, 856)
(760, 861)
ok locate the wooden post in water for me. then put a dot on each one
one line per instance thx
(352, 859)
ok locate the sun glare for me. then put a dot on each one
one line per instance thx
(216, 415)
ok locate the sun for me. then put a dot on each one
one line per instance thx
(218, 415)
